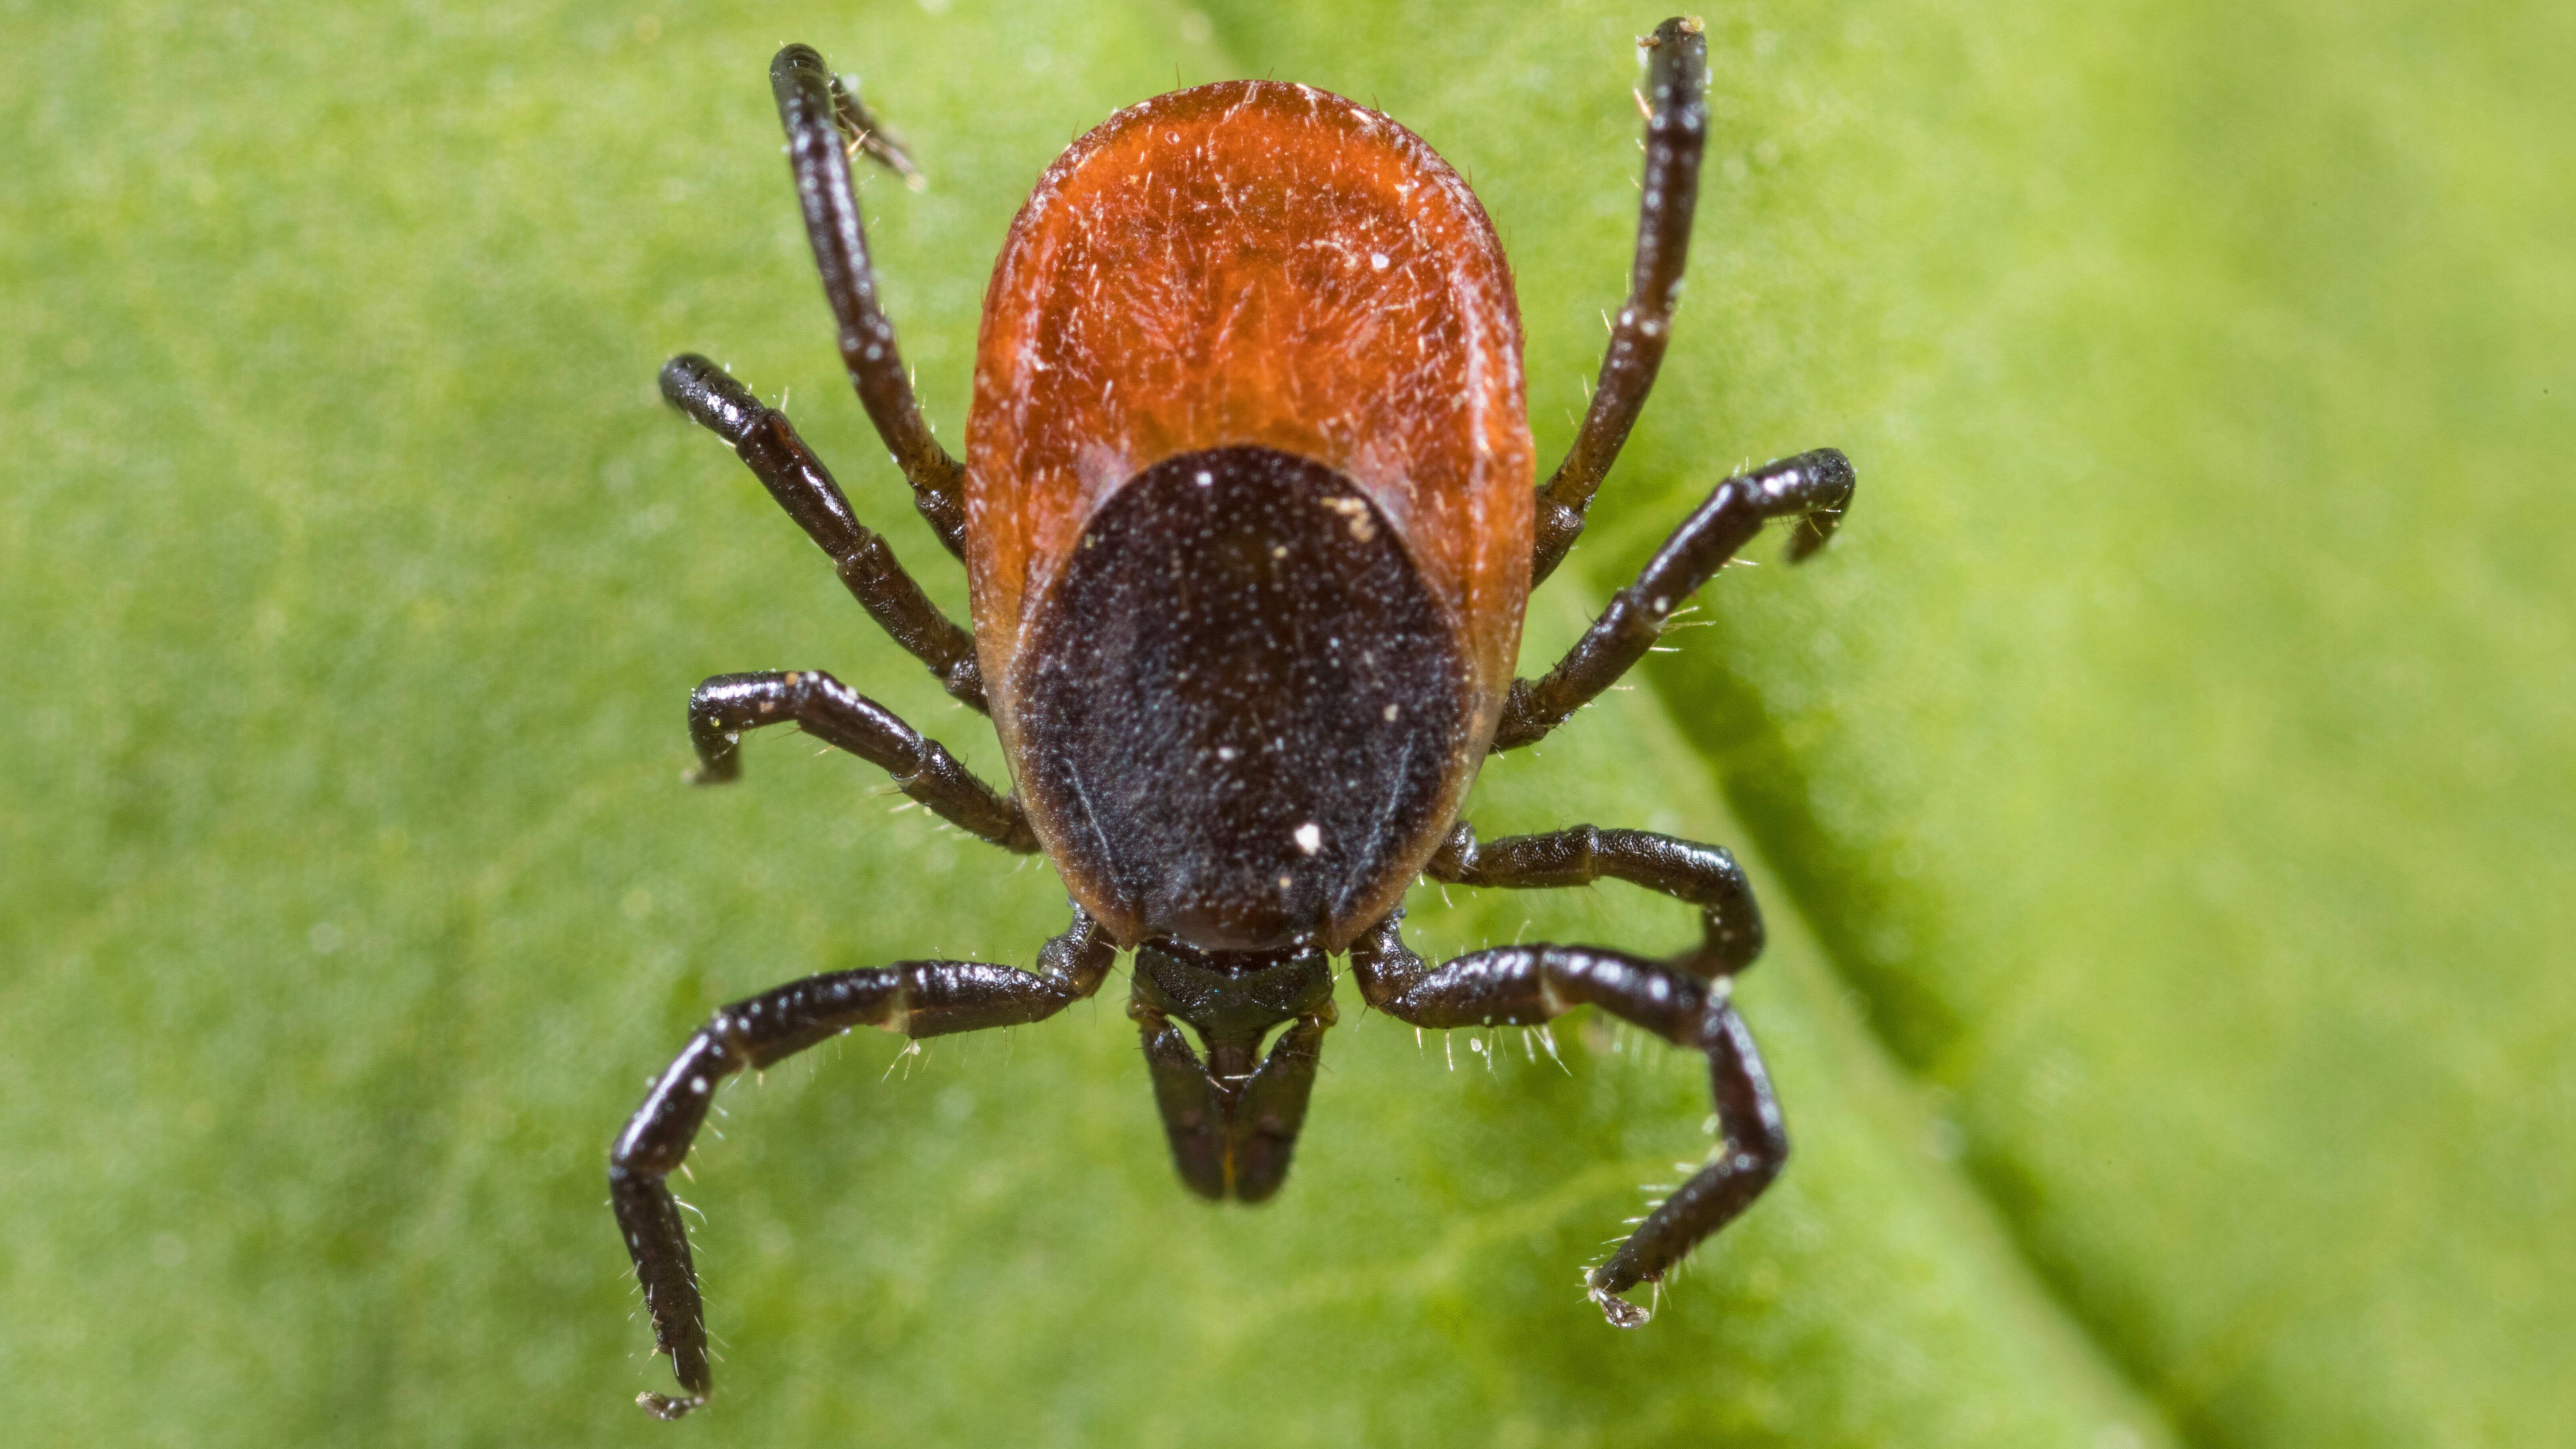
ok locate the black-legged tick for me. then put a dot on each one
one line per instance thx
(1249, 526)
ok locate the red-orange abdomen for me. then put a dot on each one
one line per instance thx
(1266, 264)
(1296, 295)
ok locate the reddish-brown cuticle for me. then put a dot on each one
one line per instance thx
(1265, 264)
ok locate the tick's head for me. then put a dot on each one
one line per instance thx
(1231, 996)
(1232, 1117)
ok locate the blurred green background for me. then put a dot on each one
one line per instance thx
(2160, 791)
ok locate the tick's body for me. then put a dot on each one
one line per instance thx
(1249, 527)
(1248, 423)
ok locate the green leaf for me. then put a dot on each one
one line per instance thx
(2159, 791)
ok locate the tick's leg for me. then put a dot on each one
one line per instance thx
(916, 998)
(1811, 487)
(1529, 985)
(1232, 1137)
(725, 706)
(822, 121)
(1676, 99)
(1704, 875)
(768, 445)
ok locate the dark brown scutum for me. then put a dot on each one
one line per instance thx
(1241, 712)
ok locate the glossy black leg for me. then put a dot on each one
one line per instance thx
(767, 444)
(1811, 487)
(916, 998)
(1676, 128)
(822, 119)
(1704, 875)
(725, 706)
(1530, 985)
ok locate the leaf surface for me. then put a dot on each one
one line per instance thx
(2159, 791)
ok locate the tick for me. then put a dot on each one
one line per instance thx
(1249, 519)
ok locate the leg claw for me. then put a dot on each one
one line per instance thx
(666, 1408)
(1620, 1312)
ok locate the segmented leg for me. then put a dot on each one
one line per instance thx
(1233, 1127)
(916, 998)
(725, 706)
(767, 444)
(1704, 875)
(1676, 128)
(1812, 487)
(1530, 985)
(822, 119)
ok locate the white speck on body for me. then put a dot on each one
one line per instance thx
(1225, 752)
(1392, 711)
(1377, 261)
(1205, 480)
(1310, 837)
(1356, 511)
(698, 1085)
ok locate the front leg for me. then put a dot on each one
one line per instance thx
(916, 998)
(1813, 487)
(1531, 985)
